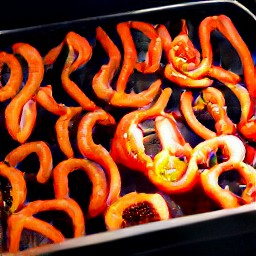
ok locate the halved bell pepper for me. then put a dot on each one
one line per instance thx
(127, 145)
(135, 209)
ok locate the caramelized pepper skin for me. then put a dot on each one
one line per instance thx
(134, 209)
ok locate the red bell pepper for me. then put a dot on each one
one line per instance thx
(136, 208)
(127, 145)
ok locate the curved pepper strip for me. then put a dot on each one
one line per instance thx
(185, 58)
(45, 98)
(136, 208)
(20, 113)
(96, 152)
(154, 53)
(127, 145)
(170, 164)
(224, 25)
(24, 219)
(182, 51)
(43, 152)
(62, 130)
(18, 185)
(232, 148)
(224, 197)
(223, 124)
(247, 123)
(170, 72)
(79, 54)
(96, 175)
(11, 88)
(132, 99)
(101, 82)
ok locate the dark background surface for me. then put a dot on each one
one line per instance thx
(15, 14)
(241, 236)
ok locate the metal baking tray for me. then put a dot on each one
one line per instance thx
(164, 236)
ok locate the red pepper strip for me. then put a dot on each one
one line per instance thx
(44, 155)
(127, 145)
(21, 219)
(135, 209)
(170, 164)
(227, 28)
(18, 185)
(186, 106)
(11, 88)
(224, 197)
(96, 175)
(223, 124)
(170, 72)
(136, 100)
(214, 100)
(233, 150)
(250, 156)
(170, 136)
(98, 153)
(209, 94)
(247, 122)
(224, 76)
(62, 130)
(79, 54)
(183, 52)
(45, 98)
(165, 39)
(120, 98)
(130, 55)
(153, 56)
(18, 222)
(20, 113)
(101, 81)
